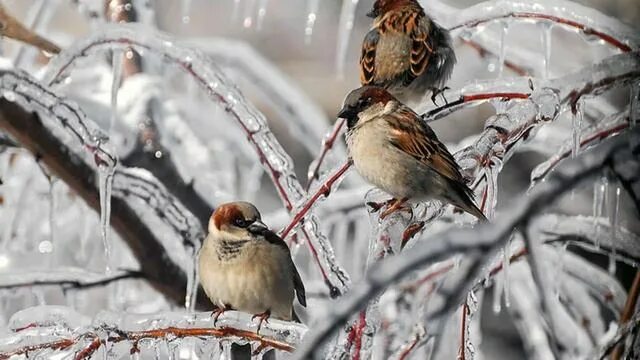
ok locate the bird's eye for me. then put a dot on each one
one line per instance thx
(241, 223)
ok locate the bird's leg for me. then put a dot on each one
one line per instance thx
(435, 92)
(263, 316)
(410, 232)
(376, 206)
(219, 310)
(396, 205)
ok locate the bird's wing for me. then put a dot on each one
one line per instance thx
(417, 26)
(414, 137)
(368, 57)
(274, 239)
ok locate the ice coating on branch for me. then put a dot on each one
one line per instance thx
(589, 136)
(569, 13)
(120, 334)
(272, 156)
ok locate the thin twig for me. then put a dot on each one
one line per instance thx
(627, 313)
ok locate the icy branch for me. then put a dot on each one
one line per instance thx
(221, 91)
(136, 331)
(477, 243)
(589, 21)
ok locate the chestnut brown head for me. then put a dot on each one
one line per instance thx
(381, 7)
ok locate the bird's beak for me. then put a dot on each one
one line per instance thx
(373, 14)
(257, 227)
(347, 113)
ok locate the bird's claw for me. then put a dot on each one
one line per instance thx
(215, 314)
(395, 205)
(263, 316)
(435, 92)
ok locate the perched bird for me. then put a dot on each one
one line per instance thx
(245, 266)
(392, 148)
(405, 51)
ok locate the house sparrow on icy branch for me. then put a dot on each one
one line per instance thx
(393, 149)
(405, 51)
(245, 266)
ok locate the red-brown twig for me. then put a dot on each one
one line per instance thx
(327, 145)
(323, 190)
(571, 23)
(463, 331)
(627, 313)
(358, 330)
(464, 99)
(135, 336)
(25, 350)
(600, 135)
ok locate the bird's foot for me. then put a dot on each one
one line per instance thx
(264, 317)
(435, 92)
(395, 205)
(219, 310)
(410, 232)
(376, 206)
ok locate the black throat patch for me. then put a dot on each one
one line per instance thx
(229, 249)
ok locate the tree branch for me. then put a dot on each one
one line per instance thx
(478, 242)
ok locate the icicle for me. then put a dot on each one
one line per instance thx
(498, 288)
(247, 19)
(504, 29)
(117, 61)
(599, 206)
(634, 108)
(105, 172)
(506, 256)
(614, 208)
(192, 283)
(312, 12)
(262, 12)
(347, 14)
(186, 10)
(576, 125)
(52, 210)
(492, 186)
(546, 28)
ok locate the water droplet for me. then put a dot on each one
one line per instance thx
(45, 247)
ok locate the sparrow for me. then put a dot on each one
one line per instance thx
(393, 149)
(244, 266)
(405, 51)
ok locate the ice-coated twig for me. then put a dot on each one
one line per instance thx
(327, 145)
(589, 21)
(620, 335)
(589, 136)
(323, 191)
(67, 278)
(627, 313)
(112, 328)
(477, 242)
(221, 91)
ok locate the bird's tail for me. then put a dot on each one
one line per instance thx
(463, 199)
